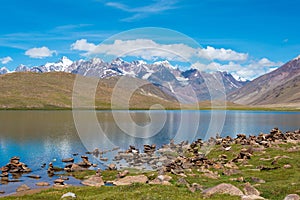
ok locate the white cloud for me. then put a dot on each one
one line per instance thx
(248, 70)
(221, 54)
(213, 66)
(142, 48)
(83, 45)
(150, 50)
(144, 11)
(41, 52)
(6, 60)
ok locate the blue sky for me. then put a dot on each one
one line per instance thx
(266, 32)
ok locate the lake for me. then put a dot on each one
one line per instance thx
(48, 136)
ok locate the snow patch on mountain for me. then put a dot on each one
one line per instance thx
(4, 70)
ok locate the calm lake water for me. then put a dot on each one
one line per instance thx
(48, 136)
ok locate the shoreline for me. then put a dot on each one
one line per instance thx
(283, 109)
(236, 155)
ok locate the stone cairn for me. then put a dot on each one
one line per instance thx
(14, 167)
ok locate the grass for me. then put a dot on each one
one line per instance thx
(278, 183)
(54, 91)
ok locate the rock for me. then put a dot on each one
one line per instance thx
(59, 181)
(287, 166)
(50, 169)
(195, 187)
(123, 174)
(211, 175)
(42, 184)
(223, 188)
(68, 160)
(2, 192)
(250, 190)
(128, 180)
(96, 152)
(292, 197)
(157, 181)
(4, 174)
(85, 162)
(182, 181)
(231, 165)
(230, 172)
(76, 168)
(95, 181)
(252, 197)
(257, 180)
(164, 178)
(104, 159)
(34, 176)
(68, 194)
(112, 166)
(15, 160)
(23, 188)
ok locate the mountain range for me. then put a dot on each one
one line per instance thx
(162, 74)
(280, 87)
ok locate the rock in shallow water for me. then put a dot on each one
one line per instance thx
(22, 188)
(42, 184)
(68, 160)
(34, 176)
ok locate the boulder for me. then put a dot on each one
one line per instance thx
(164, 178)
(128, 180)
(34, 176)
(43, 184)
(223, 188)
(123, 174)
(59, 181)
(76, 168)
(156, 181)
(250, 190)
(292, 197)
(182, 181)
(112, 166)
(195, 187)
(94, 181)
(23, 188)
(257, 180)
(68, 160)
(252, 197)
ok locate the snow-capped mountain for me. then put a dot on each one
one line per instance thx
(63, 65)
(4, 70)
(280, 86)
(162, 73)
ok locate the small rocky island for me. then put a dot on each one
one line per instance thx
(245, 167)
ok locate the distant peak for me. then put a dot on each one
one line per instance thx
(66, 60)
(3, 68)
(118, 59)
(297, 58)
(97, 60)
(165, 63)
